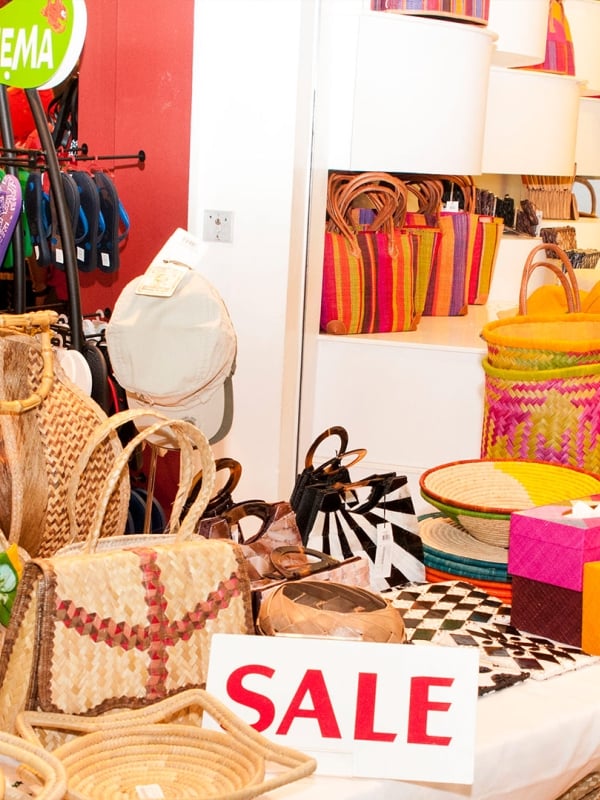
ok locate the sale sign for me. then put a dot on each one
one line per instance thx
(360, 709)
(40, 41)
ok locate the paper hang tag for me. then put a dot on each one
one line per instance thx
(149, 791)
(382, 567)
(161, 279)
(583, 510)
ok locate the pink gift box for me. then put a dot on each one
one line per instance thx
(547, 546)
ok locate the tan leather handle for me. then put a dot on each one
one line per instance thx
(590, 187)
(566, 276)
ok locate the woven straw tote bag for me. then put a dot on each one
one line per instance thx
(44, 418)
(109, 756)
(124, 621)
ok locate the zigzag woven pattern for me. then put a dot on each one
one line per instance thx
(555, 420)
(66, 419)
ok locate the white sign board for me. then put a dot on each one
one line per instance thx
(360, 709)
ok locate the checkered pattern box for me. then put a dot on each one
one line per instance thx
(549, 545)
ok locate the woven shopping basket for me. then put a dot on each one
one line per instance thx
(542, 380)
(115, 756)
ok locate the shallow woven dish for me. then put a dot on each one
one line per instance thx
(143, 752)
(481, 494)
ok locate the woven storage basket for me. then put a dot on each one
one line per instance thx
(481, 494)
(474, 11)
(119, 754)
(34, 767)
(502, 591)
(329, 609)
(545, 342)
(449, 548)
(545, 415)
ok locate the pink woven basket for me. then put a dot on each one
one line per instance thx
(545, 415)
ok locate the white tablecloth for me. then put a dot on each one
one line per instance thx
(534, 740)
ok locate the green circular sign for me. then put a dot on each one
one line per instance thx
(40, 41)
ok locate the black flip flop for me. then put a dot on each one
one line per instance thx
(116, 223)
(87, 245)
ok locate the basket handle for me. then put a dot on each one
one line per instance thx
(32, 323)
(590, 187)
(298, 764)
(566, 276)
(188, 437)
(386, 193)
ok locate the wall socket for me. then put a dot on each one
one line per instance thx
(218, 226)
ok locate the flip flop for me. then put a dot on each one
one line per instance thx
(38, 216)
(77, 225)
(8, 262)
(116, 223)
(11, 204)
(87, 245)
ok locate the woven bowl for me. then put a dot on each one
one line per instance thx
(481, 494)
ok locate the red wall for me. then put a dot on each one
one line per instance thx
(135, 94)
(135, 84)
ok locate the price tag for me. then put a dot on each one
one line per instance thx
(383, 555)
(149, 791)
(161, 280)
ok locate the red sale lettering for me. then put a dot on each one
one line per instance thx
(420, 706)
(245, 697)
(313, 684)
(365, 710)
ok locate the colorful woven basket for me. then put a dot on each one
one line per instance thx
(475, 11)
(543, 341)
(544, 415)
(481, 494)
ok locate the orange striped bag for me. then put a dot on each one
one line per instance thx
(374, 274)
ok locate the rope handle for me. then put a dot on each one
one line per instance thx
(299, 765)
(35, 322)
(188, 437)
(32, 757)
(565, 274)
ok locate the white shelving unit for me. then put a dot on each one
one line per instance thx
(414, 399)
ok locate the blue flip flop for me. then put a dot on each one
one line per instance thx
(116, 223)
(37, 208)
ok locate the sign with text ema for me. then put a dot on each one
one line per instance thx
(361, 709)
(40, 41)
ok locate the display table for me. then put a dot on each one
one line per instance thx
(534, 740)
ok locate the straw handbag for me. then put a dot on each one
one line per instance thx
(542, 380)
(43, 420)
(124, 621)
(122, 754)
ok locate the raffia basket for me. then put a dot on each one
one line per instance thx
(481, 494)
(33, 766)
(120, 754)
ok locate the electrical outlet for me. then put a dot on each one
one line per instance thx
(218, 226)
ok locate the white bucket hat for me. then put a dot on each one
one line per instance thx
(172, 347)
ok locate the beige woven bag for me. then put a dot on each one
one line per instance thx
(122, 622)
(121, 752)
(44, 418)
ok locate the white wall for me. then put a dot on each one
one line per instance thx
(250, 154)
